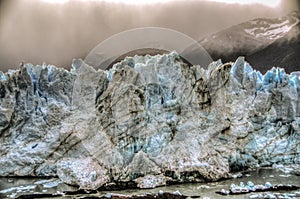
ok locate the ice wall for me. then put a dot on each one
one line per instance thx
(149, 120)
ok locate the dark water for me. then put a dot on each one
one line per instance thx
(14, 187)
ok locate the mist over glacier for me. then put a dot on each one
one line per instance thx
(36, 32)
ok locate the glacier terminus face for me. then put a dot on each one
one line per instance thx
(149, 120)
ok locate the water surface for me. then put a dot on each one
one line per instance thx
(14, 187)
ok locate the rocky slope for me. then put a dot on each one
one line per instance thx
(149, 120)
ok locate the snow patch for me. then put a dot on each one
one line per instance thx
(273, 31)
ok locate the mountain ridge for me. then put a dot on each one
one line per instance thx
(254, 39)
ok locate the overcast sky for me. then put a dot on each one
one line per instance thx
(36, 31)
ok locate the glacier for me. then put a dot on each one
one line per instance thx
(148, 121)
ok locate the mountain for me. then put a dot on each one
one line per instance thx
(264, 42)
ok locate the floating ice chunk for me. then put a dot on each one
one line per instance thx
(49, 183)
(20, 188)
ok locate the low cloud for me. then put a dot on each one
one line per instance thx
(37, 32)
